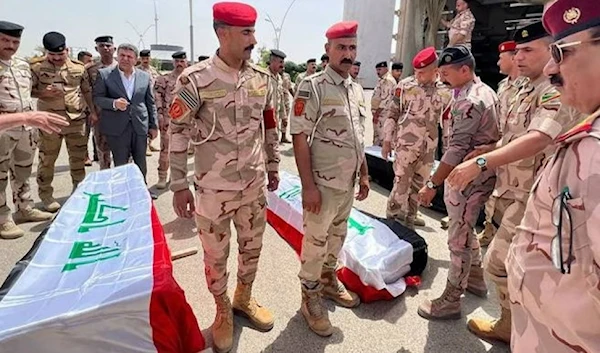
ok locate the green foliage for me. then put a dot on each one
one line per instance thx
(156, 63)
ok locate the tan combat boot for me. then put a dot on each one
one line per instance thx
(51, 205)
(334, 289)
(284, 139)
(419, 220)
(446, 307)
(245, 305)
(445, 222)
(31, 215)
(162, 183)
(222, 328)
(314, 312)
(476, 282)
(496, 330)
(486, 235)
(9, 230)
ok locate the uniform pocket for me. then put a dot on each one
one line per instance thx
(516, 277)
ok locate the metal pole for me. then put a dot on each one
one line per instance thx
(283, 21)
(155, 23)
(192, 58)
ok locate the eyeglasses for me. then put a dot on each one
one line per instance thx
(560, 208)
(556, 49)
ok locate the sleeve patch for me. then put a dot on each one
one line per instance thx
(303, 94)
(299, 106)
(177, 109)
(398, 92)
(184, 79)
(550, 96)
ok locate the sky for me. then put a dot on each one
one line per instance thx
(302, 37)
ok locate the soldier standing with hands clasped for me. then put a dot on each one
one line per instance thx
(231, 102)
(328, 131)
(382, 95)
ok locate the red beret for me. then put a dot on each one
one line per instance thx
(345, 29)
(234, 14)
(507, 46)
(566, 17)
(424, 58)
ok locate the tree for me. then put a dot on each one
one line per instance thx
(263, 55)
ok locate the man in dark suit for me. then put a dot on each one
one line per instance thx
(128, 115)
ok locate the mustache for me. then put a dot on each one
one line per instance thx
(346, 61)
(556, 80)
(250, 47)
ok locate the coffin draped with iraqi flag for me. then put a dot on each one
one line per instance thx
(99, 278)
(379, 257)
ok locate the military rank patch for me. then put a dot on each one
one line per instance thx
(304, 94)
(398, 92)
(299, 105)
(184, 79)
(549, 96)
(177, 109)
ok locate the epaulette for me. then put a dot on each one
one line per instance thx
(551, 95)
(259, 69)
(36, 59)
(75, 61)
(187, 72)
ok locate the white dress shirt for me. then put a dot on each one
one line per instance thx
(128, 82)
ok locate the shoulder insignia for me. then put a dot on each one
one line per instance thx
(259, 69)
(299, 105)
(183, 79)
(549, 96)
(37, 59)
(304, 94)
(177, 109)
(398, 92)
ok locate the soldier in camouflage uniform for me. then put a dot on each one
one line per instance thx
(460, 29)
(415, 113)
(164, 87)
(145, 66)
(17, 144)
(284, 109)
(236, 149)
(311, 68)
(397, 71)
(553, 271)
(535, 119)
(106, 48)
(328, 134)
(474, 112)
(276, 65)
(382, 96)
(62, 87)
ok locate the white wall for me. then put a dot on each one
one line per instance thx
(375, 28)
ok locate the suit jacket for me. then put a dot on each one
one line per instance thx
(141, 110)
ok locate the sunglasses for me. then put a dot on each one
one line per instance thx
(556, 49)
(560, 209)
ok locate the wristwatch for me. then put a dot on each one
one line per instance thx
(481, 163)
(431, 185)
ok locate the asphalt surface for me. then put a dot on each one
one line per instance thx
(390, 326)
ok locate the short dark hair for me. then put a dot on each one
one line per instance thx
(468, 62)
(595, 33)
(219, 24)
(82, 54)
(127, 46)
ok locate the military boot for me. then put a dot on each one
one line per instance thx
(162, 183)
(9, 230)
(51, 205)
(31, 215)
(445, 222)
(334, 289)
(245, 305)
(419, 221)
(284, 139)
(496, 330)
(446, 307)
(222, 328)
(314, 312)
(410, 222)
(476, 282)
(486, 235)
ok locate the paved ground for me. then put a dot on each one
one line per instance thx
(392, 326)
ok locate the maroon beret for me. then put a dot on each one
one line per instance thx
(345, 29)
(566, 17)
(507, 46)
(235, 14)
(424, 58)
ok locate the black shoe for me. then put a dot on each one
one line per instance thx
(153, 195)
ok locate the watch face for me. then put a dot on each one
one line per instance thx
(481, 161)
(430, 185)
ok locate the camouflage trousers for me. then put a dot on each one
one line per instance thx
(463, 210)
(248, 212)
(50, 145)
(104, 156)
(284, 113)
(411, 170)
(490, 209)
(17, 150)
(163, 157)
(324, 234)
(511, 212)
(378, 133)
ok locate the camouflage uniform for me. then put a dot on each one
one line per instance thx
(73, 80)
(231, 166)
(463, 23)
(416, 112)
(17, 145)
(382, 96)
(332, 111)
(154, 75)
(278, 95)
(536, 107)
(551, 311)
(104, 155)
(164, 87)
(284, 109)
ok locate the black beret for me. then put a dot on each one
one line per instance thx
(381, 64)
(278, 53)
(397, 66)
(324, 57)
(530, 33)
(356, 63)
(11, 29)
(179, 55)
(54, 42)
(145, 53)
(312, 60)
(104, 39)
(455, 55)
(202, 57)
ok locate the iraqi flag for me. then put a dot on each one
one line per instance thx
(99, 278)
(374, 260)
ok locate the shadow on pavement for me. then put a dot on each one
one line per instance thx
(180, 228)
(390, 311)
